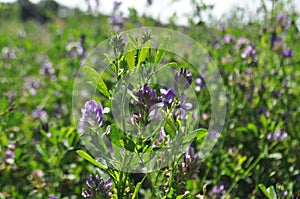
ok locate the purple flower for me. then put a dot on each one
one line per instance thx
(277, 136)
(8, 53)
(263, 111)
(32, 85)
(282, 20)
(10, 153)
(242, 41)
(168, 96)
(116, 5)
(97, 188)
(76, 48)
(213, 135)
(284, 193)
(92, 115)
(281, 17)
(52, 197)
(115, 19)
(288, 53)
(39, 113)
(183, 107)
(218, 189)
(148, 105)
(47, 68)
(190, 163)
(228, 39)
(250, 52)
(296, 196)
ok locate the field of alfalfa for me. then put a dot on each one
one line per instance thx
(42, 154)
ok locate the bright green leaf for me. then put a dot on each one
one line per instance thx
(136, 190)
(130, 56)
(162, 50)
(144, 52)
(93, 78)
(89, 158)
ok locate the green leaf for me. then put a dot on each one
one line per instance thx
(115, 136)
(253, 128)
(185, 195)
(170, 127)
(136, 190)
(132, 40)
(264, 189)
(130, 56)
(129, 144)
(171, 193)
(93, 78)
(198, 134)
(171, 64)
(162, 50)
(89, 158)
(144, 52)
(272, 192)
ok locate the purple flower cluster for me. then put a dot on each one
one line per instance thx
(8, 53)
(47, 70)
(190, 163)
(115, 19)
(40, 114)
(250, 52)
(149, 105)
(76, 48)
(10, 153)
(275, 40)
(277, 136)
(32, 85)
(288, 53)
(168, 96)
(218, 189)
(92, 115)
(228, 39)
(296, 196)
(97, 188)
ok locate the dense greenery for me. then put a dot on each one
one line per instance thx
(256, 156)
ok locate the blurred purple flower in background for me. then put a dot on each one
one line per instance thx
(218, 189)
(52, 197)
(47, 70)
(40, 114)
(282, 21)
(8, 53)
(250, 52)
(288, 53)
(32, 85)
(76, 48)
(10, 153)
(263, 111)
(116, 19)
(228, 38)
(277, 136)
(296, 196)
